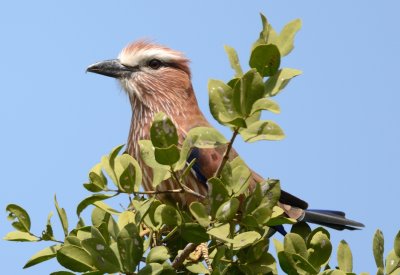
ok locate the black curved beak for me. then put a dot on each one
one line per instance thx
(111, 68)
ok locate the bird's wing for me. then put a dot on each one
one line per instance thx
(208, 161)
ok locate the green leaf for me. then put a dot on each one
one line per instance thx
(304, 264)
(397, 244)
(245, 239)
(151, 269)
(265, 104)
(227, 210)
(266, 59)
(197, 268)
(43, 255)
(344, 257)
(19, 236)
(163, 132)
(262, 130)
(166, 214)
(63, 273)
(392, 263)
(107, 162)
(75, 258)
(240, 179)
(72, 240)
(319, 248)
(90, 200)
(286, 37)
(333, 272)
(287, 263)
(234, 60)
(217, 193)
(160, 172)
(194, 233)
(130, 247)
(167, 156)
(62, 215)
(97, 178)
(158, 254)
(278, 81)
(47, 234)
(295, 244)
(222, 105)
(105, 207)
(377, 246)
(128, 172)
(302, 229)
(220, 232)
(104, 259)
(265, 264)
(23, 222)
(251, 90)
(125, 218)
(199, 212)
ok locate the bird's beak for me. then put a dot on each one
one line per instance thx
(112, 68)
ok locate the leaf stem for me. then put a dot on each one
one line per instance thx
(225, 158)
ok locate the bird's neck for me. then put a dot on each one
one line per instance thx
(185, 115)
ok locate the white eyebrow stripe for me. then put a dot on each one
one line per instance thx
(140, 56)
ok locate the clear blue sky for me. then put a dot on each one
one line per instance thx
(341, 117)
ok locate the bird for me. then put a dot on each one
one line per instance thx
(158, 79)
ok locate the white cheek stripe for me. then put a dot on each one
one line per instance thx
(141, 56)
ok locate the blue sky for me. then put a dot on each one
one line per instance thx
(341, 117)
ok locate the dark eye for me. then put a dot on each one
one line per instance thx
(155, 64)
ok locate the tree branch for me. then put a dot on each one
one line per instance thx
(180, 258)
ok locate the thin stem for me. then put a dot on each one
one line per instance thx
(226, 154)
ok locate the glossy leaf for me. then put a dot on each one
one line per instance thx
(295, 244)
(103, 257)
(199, 212)
(218, 194)
(130, 247)
(194, 233)
(168, 215)
(319, 248)
(197, 268)
(262, 130)
(378, 246)
(163, 132)
(265, 104)
(160, 172)
(220, 232)
(302, 229)
(23, 222)
(266, 59)
(397, 244)
(107, 162)
(304, 264)
(97, 177)
(227, 210)
(278, 81)
(75, 258)
(167, 156)
(43, 255)
(102, 205)
(245, 239)
(62, 215)
(392, 263)
(128, 172)
(251, 90)
(344, 257)
(234, 60)
(90, 200)
(19, 236)
(287, 35)
(151, 269)
(126, 218)
(158, 254)
(221, 104)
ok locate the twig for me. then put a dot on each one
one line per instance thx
(180, 258)
(226, 154)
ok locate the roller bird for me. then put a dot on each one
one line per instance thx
(158, 79)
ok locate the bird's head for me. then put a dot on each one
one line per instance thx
(151, 75)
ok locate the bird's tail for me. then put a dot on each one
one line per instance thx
(333, 219)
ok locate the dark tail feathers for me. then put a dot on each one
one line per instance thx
(333, 219)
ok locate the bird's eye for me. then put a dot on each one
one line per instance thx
(155, 64)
